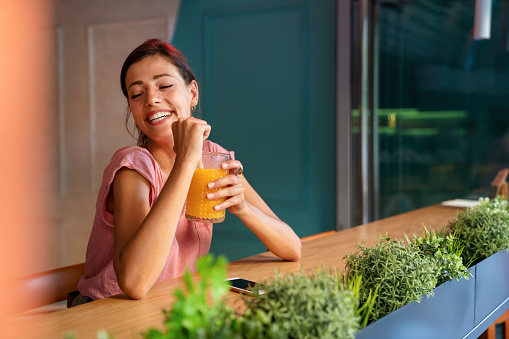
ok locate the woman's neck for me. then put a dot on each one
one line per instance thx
(163, 153)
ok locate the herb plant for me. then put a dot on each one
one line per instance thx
(482, 229)
(300, 306)
(398, 274)
(191, 315)
(444, 250)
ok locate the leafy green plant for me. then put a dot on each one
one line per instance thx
(354, 284)
(445, 250)
(483, 229)
(191, 315)
(305, 306)
(398, 274)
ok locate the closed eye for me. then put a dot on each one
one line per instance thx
(135, 96)
(166, 86)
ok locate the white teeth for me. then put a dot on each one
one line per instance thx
(159, 116)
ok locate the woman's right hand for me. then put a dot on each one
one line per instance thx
(188, 136)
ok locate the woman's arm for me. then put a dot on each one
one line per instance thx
(243, 201)
(279, 238)
(144, 236)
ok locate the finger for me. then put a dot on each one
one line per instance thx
(230, 191)
(228, 180)
(231, 202)
(189, 134)
(206, 131)
(232, 165)
(202, 124)
(193, 119)
(188, 121)
(189, 124)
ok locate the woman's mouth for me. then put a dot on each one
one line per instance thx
(156, 117)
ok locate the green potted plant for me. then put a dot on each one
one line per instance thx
(313, 305)
(445, 250)
(192, 316)
(400, 275)
(483, 229)
(403, 274)
(484, 232)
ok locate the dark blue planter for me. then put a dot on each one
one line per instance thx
(491, 284)
(491, 291)
(453, 303)
(459, 309)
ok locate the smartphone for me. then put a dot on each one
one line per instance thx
(241, 285)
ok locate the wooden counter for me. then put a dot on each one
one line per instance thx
(127, 318)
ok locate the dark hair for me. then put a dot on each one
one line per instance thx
(154, 47)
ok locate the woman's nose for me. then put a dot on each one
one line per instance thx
(152, 98)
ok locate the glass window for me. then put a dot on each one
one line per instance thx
(443, 104)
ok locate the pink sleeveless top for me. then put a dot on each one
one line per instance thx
(192, 239)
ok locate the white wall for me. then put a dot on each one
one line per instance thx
(93, 38)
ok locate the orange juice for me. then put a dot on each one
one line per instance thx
(198, 207)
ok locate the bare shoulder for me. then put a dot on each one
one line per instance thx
(131, 183)
(128, 188)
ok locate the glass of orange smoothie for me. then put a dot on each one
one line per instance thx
(198, 207)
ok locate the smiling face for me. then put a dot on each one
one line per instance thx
(158, 95)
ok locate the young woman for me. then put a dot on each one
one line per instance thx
(140, 235)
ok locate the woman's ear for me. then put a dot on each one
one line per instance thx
(195, 94)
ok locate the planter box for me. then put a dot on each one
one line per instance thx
(459, 309)
(491, 291)
(453, 303)
(491, 284)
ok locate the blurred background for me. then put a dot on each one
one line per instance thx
(27, 134)
(342, 112)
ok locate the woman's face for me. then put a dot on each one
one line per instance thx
(158, 96)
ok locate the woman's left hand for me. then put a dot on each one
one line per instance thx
(231, 188)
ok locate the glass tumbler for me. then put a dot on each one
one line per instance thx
(198, 207)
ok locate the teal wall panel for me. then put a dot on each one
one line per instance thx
(264, 92)
(266, 74)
